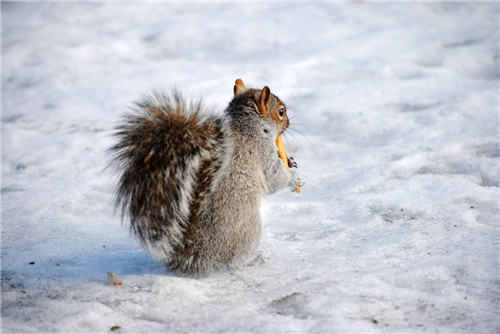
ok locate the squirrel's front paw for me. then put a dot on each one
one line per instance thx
(296, 180)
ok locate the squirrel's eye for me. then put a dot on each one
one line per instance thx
(281, 112)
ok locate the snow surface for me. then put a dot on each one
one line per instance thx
(396, 230)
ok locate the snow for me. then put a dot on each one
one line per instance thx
(397, 111)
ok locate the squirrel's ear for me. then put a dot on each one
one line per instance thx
(239, 87)
(265, 100)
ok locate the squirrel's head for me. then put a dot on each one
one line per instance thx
(263, 103)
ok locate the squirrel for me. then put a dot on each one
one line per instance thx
(191, 182)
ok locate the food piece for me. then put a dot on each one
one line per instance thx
(282, 154)
(281, 151)
(113, 278)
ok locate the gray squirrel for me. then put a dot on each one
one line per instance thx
(191, 182)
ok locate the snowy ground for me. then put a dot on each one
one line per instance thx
(397, 229)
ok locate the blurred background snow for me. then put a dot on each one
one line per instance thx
(395, 108)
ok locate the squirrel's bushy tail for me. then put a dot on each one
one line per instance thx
(161, 148)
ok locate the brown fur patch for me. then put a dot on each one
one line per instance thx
(204, 181)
